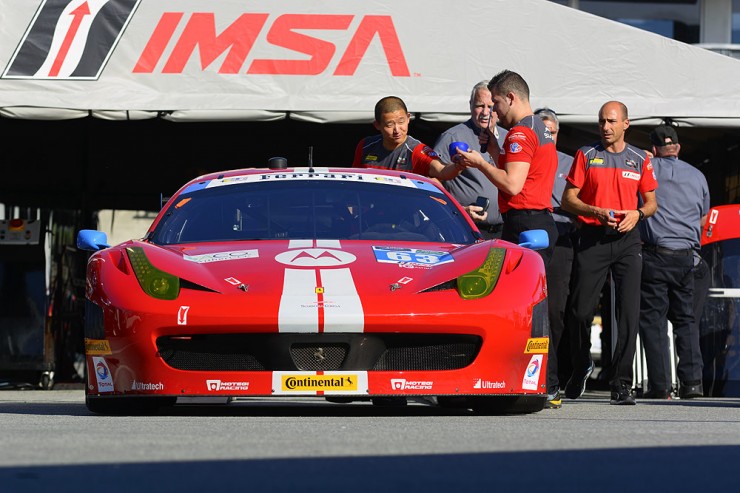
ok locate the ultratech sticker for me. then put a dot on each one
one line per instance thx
(487, 384)
(311, 383)
(97, 347)
(537, 345)
(146, 386)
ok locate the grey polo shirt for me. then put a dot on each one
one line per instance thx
(683, 198)
(564, 164)
(471, 182)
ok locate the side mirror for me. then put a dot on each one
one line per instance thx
(536, 239)
(92, 240)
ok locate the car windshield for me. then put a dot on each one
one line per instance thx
(312, 209)
(723, 258)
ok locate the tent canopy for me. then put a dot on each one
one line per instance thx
(331, 60)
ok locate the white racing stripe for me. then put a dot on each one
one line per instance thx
(319, 299)
(342, 307)
(299, 302)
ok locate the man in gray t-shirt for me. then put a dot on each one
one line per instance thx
(670, 251)
(471, 182)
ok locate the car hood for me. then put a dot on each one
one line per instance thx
(269, 266)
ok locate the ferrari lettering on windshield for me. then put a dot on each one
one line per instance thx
(258, 34)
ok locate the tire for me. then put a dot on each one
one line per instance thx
(46, 380)
(128, 406)
(508, 404)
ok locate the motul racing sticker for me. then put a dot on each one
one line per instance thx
(70, 39)
(319, 292)
(223, 385)
(102, 375)
(532, 373)
(320, 383)
(403, 384)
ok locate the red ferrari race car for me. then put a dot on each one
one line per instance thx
(719, 326)
(350, 284)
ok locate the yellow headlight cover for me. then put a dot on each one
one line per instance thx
(156, 283)
(480, 282)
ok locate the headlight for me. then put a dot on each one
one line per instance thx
(480, 282)
(156, 283)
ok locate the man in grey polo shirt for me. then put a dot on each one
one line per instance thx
(671, 243)
(471, 183)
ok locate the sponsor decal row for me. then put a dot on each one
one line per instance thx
(327, 382)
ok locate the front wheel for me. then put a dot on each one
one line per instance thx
(508, 404)
(128, 406)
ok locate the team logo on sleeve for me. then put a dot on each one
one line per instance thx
(515, 147)
(70, 39)
(430, 152)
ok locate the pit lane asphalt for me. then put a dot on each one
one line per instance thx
(50, 442)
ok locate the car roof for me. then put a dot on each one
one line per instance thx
(316, 169)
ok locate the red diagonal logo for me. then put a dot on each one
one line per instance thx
(78, 15)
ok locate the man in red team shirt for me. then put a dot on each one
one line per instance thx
(602, 190)
(525, 167)
(394, 148)
(524, 171)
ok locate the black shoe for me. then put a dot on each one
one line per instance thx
(577, 383)
(657, 394)
(554, 401)
(690, 391)
(622, 396)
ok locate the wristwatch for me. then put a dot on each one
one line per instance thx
(642, 214)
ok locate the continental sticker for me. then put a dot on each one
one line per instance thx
(97, 347)
(313, 383)
(538, 345)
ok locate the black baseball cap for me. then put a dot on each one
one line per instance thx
(663, 135)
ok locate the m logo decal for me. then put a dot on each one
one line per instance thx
(70, 39)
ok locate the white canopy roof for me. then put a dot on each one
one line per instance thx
(331, 60)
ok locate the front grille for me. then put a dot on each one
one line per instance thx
(319, 352)
(318, 357)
